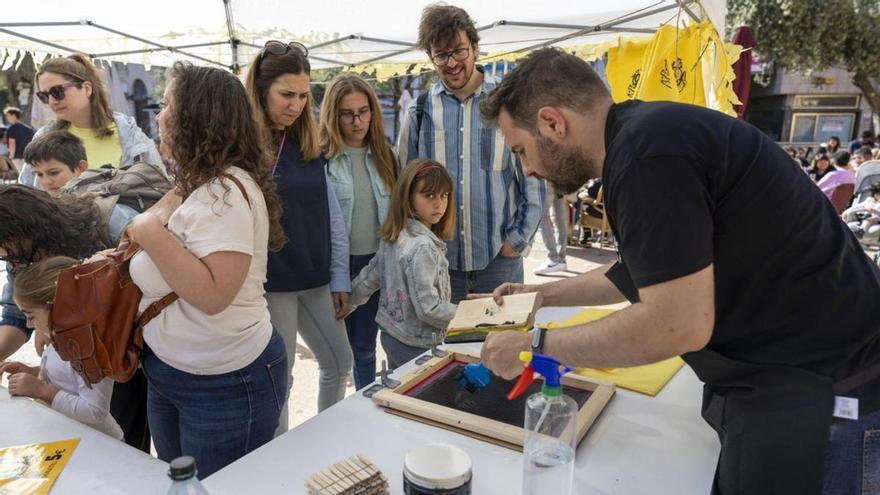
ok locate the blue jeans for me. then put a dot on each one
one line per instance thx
(215, 418)
(499, 270)
(852, 462)
(399, 353)
(362, 329)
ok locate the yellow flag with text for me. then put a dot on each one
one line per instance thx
(686, 65)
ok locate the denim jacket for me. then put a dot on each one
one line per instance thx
(412, 275)
(339, 170)
(136, 146)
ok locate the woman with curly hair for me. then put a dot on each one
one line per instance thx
(216, 368)
(308, 285)
(36, 226)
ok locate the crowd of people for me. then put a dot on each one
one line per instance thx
(280, 223)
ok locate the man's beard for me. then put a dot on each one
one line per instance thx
(567, 168)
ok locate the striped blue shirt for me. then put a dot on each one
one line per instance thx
(494, 200)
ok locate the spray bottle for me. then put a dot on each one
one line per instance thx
(550, 428)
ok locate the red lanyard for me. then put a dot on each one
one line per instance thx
(278, 156)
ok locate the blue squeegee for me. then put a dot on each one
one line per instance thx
(474, 377)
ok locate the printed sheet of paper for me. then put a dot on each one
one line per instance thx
(33, 468)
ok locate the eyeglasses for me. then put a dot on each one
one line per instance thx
(459, 54)
(347, 117)
(56, 91)
(280, 48)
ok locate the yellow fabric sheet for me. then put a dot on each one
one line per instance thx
(687, 65)
(648, 379)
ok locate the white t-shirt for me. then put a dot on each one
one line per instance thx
(88, 405)
(210, 220)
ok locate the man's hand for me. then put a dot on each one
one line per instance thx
(506, 289)
(13, 367)
(507, 251)
(341, 304)
(501, 350)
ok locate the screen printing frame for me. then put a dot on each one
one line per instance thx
(396, 401)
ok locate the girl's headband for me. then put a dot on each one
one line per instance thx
(426, 167)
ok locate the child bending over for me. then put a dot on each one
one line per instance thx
(60, 387)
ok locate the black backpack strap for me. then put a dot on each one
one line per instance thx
(420, 114)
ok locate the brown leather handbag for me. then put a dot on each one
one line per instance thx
(93, 317)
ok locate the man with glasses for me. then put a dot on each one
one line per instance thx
(498, 207)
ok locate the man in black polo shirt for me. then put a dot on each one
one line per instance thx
(732, 259)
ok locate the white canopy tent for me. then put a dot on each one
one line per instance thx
(229, 33)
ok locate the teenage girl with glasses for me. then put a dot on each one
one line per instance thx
(362, 169)
(308, 286)
(72, 88)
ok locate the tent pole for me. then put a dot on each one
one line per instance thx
(151, 50)
(311, 57)
(233, 40)
(684, 6)
(35, 40)
(157, 45)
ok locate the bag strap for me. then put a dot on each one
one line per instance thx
(151, 312)
(420, 114)
(240, 186)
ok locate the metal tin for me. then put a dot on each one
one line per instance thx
(437, 468)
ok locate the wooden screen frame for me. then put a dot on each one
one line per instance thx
(396, 402)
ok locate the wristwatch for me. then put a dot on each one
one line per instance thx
(538, 334)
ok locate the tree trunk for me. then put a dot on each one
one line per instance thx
(871, 93)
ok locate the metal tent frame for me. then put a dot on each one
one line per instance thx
(403, 46)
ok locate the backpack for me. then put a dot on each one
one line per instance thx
(93, 317)
(137, 186)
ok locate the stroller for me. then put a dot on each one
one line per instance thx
(867, 175)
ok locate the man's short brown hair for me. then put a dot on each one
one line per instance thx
(55, 145)
(440, 25)
(545, 77)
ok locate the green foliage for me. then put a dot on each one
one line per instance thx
(811, 35)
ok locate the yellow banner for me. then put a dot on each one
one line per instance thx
(687, 65)
(32, 469)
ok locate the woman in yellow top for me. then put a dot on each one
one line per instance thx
(72, 88)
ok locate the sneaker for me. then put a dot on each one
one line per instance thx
(551, 268)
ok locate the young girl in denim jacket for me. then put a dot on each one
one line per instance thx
(410, 270)
(54, 381)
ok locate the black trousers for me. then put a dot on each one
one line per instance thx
(128, 406)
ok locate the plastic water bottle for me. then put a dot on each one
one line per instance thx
(549, 446)
(183, 473)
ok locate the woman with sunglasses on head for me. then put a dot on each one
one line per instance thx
(363, 169)
(217, 370)
(308, 286)
(72, 88)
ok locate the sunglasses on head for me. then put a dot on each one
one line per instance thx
(280, 48)
(56, 91)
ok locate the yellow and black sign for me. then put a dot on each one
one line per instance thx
(32, 469)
